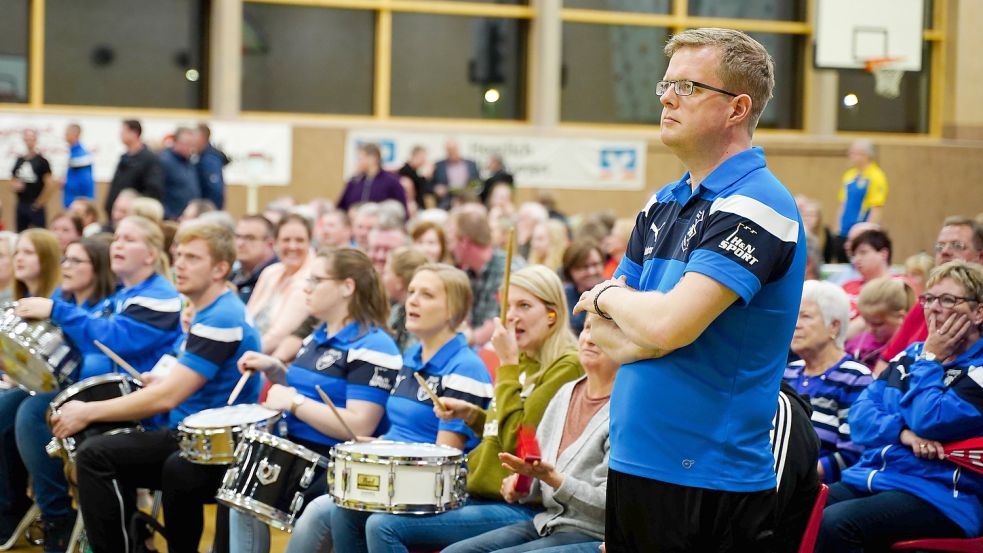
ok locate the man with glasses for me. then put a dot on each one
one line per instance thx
(960, 238)
(254, 253)
(702, 315)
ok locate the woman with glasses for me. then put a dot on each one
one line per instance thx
(904, 488)
(350, 356)
(582, 269)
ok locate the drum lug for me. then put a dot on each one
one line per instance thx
(53, 448)
(438, 488)
(344, 479)
(230, 477)
(267, 472)
(297, 503)
(240, 452)
(392, 482)
(308, 477)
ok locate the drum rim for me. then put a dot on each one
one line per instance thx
(375, 507)
(274, 417)
(340, 451)
(254, 434)
(246, 504)
(90, 382)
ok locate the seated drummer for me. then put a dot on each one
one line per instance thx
(111, 467)
(438, 301)
(350, 356)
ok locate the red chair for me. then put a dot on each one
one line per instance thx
(974, 545)
(490, 358)
(808, 543)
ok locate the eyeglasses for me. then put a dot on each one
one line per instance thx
(685, 88)
(954, 246)
(73, 261)
(248, 238)
(313, 281)
(947, 301)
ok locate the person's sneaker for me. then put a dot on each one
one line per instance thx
(57, 533)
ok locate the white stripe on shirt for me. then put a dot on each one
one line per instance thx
(467, 385)
(171, 305)
(763, 215)
(217, 334)
(378, 358)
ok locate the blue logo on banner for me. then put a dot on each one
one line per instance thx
(618, 163)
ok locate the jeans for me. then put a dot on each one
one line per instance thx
(584, 547)
(517, 538)
(312, 531)
(398, 533)
(24, 434)
(247, 534)
(858, 521)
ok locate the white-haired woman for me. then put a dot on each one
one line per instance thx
(826, 375)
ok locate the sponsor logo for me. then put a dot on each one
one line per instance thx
(738, 242)
(618, 163)
(688, 463)
(952, 374)
(434, 383)
(692, 229)
(327, 359)
(903, 370)
(378, 380)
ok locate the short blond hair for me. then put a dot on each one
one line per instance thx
(220, 240)
(745, 66)
(967, 275)
(457, 289)
(892, 294)
(149, 208)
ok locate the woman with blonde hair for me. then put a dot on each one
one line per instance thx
(549, 241)
(430, 240)
(37, 270)
(539, 356)
(883, 304)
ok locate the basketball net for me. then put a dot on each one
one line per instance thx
(887, 75)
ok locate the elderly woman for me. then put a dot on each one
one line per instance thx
(825, 374)
(582, 269)
(903, 488)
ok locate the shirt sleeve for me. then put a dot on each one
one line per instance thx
(745, 245)
(469, 382)
(877, 190)
(208, 347)
(371, 374)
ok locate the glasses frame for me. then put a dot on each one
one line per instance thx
(313, 281)
(73, 261)
(957, 246)
(926, 300)
(675, 86)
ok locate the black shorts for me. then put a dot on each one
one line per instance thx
(647, 516)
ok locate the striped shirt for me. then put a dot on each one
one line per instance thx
(831, 394)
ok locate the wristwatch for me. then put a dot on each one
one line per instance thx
(296, 402)
(927, 356)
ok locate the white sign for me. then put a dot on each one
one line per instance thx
(535, 162)
(260, 152)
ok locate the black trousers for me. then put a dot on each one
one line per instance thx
(648, 516)
(28, 216)
(111, 468)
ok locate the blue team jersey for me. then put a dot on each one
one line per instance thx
(454, 371)
(144, 323)
(94, 361)
(701, 415)
(219, 335)
(78, 179)
(349, 365)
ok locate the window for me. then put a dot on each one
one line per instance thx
(771, 10)
(609, 73)
(131, 53)
(14, 25)
(451, 66)
(859, 108)
(307, 59)
(644, 6)
(784, 111)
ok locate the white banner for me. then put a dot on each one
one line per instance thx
(260, 152)
(535, 162)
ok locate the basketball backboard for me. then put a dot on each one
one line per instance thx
(850, 32)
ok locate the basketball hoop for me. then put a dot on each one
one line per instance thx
(887, 74)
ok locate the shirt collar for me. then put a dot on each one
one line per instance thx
(972, 355)
(347, 334)
(438, 363)
(727, 173)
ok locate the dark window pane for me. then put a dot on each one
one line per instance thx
(610, 71)
(14, 25)
(132, 53)
(773, 10)
(929, 16)
(784, 111)
(467, 67)
(305, 59)
(871, 112)
(642, 6)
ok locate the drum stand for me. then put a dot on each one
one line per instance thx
(32, 514)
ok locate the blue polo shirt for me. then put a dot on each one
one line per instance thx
(701, 415)
(352, 364)
(219, 335)
(454, 371)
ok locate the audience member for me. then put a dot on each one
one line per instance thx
(871, 257)
(812, 218)
(195, 208)
(210, 163)
(583, 264)
(8, 243)
(401, 264)
(67, 226)
(148, 208)
(430, 240)
(500, 198)
(529, 215)
(863, 191)
(138, 168)
(452, 175)
(78, 182)
(254, 253)
(382, 240)
(371, 182)
(88, 212)
(549, 241)
(334, 230)
(916, 270)
(363, 221)
(412, 177)
(498, 175)
(181, 184)
(615, 244)
(883, 303)
(31, 179)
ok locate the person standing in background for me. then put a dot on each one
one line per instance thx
(863, 191)
(210, 163)
(32, 183)
(78, 181)
(138, 167)
(181, 184)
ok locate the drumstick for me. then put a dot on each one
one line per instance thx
(508, 275)
(118, 360)
(239, 385)
(433, 396)
(329, 403)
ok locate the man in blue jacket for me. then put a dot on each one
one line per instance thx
(78, 178)
(210, 163)
(180, 175)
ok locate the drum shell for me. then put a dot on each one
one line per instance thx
(216, 445)
(38, 356)
(96, 388)
(276, 501)
(397, 483)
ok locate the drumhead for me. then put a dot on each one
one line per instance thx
(233, 415)
(396, 450)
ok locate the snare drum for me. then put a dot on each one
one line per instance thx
(210, 437)
(269, 478)
(396, 477)
(36, 355)
(97, 388)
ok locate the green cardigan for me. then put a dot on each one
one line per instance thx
(510, 409)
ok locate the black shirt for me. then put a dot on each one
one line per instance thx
(141, 172)
(419, 184)
(31, 172)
